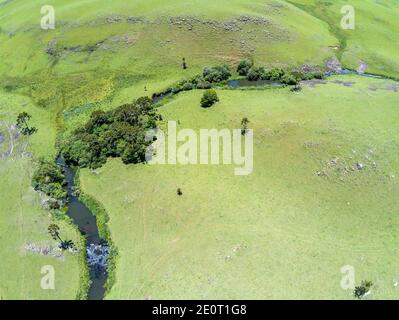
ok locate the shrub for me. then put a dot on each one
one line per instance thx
(318, 75)
(204, 85)
(217, 74)
(209, 98)
(244, 66)
(255, 74)
(49, 179)
(289, 79)
(187, 86)
(275, 74)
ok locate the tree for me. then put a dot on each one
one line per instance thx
(179, 192)
(184, 64)
(54, 231)
(275, 74)
(49, 178)
(216, 74)
(362, 290)
(244, 66)
(255, 74)
(244, 126)
(114, 133)
(209, 98)
(22, 124)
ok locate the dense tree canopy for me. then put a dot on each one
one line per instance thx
(49, 178)
(117, 133)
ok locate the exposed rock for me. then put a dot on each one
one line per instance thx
(362, 68)
(344, 83)
(97, 256)
(113, 19)
(133, 19)
(44, 250)
(333, 65)
(360, 166)
(26, 154)
(52, 48)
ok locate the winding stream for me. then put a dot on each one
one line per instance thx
(96, 248)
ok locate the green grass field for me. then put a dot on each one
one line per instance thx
(22, 219)
(283, 232)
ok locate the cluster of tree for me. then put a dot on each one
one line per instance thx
(205, 80)
(362, 290)
(22, 124)
(247, 69)
(116, 133)
(209, 98)
(49, 179)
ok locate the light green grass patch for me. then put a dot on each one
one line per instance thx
(282, 232)
(22, 219)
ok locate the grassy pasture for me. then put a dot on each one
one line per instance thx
(282, 232)
(22, 219)
(96, 51)
(374, 40)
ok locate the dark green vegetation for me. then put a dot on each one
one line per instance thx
(117, 133)
(208, 78)
(244, 125)
(302, 227)
(49, 179)
(22, 124)
(253, 73)
(209, 98)
(244, 66)
(361, 291)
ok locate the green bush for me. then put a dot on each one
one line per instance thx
(244, 66)
(49, 179)
(289, 79)
(209, 98)
(275, 74)
(217, 74)
(255, 74)
(318, 75)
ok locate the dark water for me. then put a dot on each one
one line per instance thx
(246, 83)
(97, 249)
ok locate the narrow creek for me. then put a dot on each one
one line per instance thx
(96, 249)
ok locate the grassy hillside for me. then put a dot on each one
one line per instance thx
(99, 47)
(374, 41)
(23, 222)
(286, 230)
